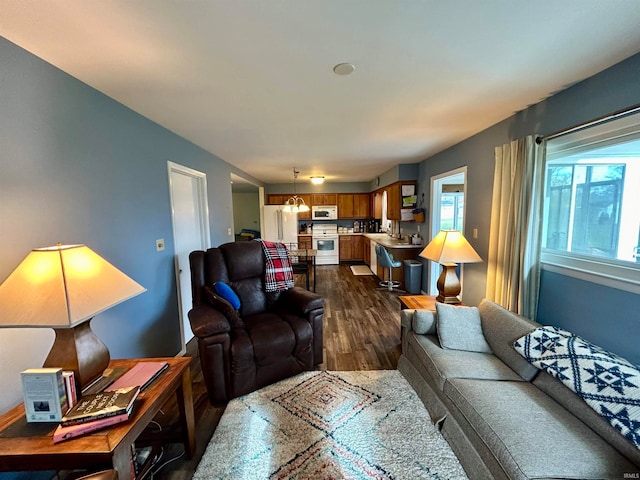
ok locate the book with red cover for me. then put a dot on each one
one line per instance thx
(65, 433)
(141, 374)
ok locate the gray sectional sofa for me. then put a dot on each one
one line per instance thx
(504, 418)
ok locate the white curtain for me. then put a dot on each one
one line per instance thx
(513, 272)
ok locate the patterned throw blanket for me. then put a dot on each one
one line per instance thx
(278, 271)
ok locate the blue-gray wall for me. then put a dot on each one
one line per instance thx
(79, 167)
(606, 316)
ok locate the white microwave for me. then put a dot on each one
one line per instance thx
(324, 212)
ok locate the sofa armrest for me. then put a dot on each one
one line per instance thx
(421, 321)
(206, 321)
(301, 301)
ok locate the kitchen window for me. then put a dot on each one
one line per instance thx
(591, 224)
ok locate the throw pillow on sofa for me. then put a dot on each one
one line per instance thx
(460, 328)
(606, 382)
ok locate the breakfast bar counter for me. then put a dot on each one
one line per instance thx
(400, 250)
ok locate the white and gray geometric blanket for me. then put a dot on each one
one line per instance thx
(608, 383)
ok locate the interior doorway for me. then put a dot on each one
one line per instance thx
(448, 212)
(190, 216)
(247, 200)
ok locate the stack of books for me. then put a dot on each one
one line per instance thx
(110, 402)
(93, 412)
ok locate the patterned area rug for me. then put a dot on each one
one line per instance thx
(361, 270)
(329, 425)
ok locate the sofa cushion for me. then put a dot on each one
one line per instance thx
(501, 328)
(459, 328)
(572, 402)
(420, 321)
(521, 430)
(441, 364)
(608, 383)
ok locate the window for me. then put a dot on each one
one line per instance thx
(592, 203)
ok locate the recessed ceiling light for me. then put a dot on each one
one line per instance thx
(344, 69)
(317, 180)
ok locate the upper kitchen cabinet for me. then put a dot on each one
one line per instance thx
(276, 199)
(324, 199)
(361, 205)
(353, 205)
(345, 205)
(396, 193)
(393, 201)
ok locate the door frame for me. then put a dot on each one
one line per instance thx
(437, 181)
(205, 234)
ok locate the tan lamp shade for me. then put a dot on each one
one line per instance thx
(62, 286)
(450, 246)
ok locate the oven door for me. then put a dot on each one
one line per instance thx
(325, 245)
(327, 250)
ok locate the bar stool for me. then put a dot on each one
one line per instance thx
(385, 260)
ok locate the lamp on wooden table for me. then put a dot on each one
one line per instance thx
(63, 288)
(449, 248)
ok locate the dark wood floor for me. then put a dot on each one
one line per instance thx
(361, 332)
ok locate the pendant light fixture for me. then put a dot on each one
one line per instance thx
(295, 204)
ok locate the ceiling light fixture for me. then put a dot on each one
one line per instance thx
(344, 69)
(317, 180)
(295, 204)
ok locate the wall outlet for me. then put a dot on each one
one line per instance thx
(229, 231)
(159, 244)
(475, 233)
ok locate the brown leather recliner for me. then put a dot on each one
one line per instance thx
(277, 334)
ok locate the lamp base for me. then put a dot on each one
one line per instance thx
(80, 350)
(448, 285)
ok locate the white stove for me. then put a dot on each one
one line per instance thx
(325, 241)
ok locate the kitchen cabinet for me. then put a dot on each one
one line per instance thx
(394, 199)
(276, 199)
(357, 248)
(353, 205)
(346, 247)
(352, 247)
(361, 208)
(345, 205)
(324, 199)
(304, 242)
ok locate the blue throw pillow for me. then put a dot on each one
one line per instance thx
(226, 292)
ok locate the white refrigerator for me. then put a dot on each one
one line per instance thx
(280, 226)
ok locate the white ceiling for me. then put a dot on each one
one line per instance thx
(251, 81)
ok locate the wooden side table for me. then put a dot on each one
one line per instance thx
(418, 302)
(29, 446)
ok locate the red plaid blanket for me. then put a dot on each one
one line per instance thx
(278, 271)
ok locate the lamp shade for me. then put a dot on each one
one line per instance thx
(450, 247)
(61, 287)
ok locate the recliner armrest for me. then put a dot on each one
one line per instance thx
(301, 300)
(206, 321)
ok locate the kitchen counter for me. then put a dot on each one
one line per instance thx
(388, 242)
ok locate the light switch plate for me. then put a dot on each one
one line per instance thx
(159, 244)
